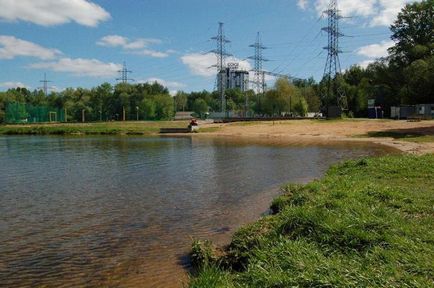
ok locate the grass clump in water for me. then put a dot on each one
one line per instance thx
(96, 128)
(367, 223)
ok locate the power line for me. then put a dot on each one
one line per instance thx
(333, 67)
(124, 74)
(45, 84)
(259, 59)
(221, 55)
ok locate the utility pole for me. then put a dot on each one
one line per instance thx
(259, 75)
(333, 67)
(45, 84)
(246, 96)
(124, 74)
(221, 55)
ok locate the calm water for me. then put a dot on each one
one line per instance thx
(121, 211)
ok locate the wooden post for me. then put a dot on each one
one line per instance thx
(82, 116)
(123, 113)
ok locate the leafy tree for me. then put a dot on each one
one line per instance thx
(147, 108)
(164, 107)
(180, 100)
(200, 107)
(300, 107)
(413, 32)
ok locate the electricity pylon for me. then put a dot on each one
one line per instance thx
(221, 55)
(332, 68)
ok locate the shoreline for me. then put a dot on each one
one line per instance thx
(302, 242)
(339, 131)
(408, 137)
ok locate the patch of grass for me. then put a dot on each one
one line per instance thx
(97, 128)
(367, 223)
(411, 137)
(212, 277)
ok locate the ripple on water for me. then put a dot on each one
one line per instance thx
(121, 211)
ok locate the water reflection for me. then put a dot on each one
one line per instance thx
(121, 211)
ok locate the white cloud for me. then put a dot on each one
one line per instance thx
(168, 84)
(80, 67)
(375, 50)
(365, 63)
(201, 64)
(53, 12)
(10, 85)
(173, 86)
(375, 12)
(302, 4)
(11, 47)
(349, 7)
(138, 46)
(388, 11)
(152, 53)
(112, 41)
(124, 42)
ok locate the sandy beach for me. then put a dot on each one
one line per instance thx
(409, 137)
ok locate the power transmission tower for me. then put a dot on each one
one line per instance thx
(333, 67)
(221, 55)
(45, 84)
(124, 74)
(259, 74)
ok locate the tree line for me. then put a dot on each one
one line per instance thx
(405, 76)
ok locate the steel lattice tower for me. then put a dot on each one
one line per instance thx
(45, 84)
(259, 74)
(333, 67)
(221, 55)
(124, 74)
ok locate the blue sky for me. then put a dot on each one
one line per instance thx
(84, 43)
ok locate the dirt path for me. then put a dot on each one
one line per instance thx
(321, 131)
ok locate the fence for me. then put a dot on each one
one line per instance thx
(27, 113)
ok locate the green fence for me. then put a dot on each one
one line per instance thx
(27, 113)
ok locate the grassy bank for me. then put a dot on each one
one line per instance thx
(367, 223)
(98, 128)
(405, 136)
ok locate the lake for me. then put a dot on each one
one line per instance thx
(122, 211)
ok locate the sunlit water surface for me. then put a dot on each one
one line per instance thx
(121, 211)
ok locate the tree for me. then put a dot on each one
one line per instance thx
(413, 32)
(180, 100)
(147, 109)
(200, 107)
(300, 107)
(164, 107)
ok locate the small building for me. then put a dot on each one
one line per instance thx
(426, 111)
(375, 112)
(402, 112)
(334, 111)
(232, 77)
(184, 115)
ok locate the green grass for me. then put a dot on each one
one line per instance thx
(405, 136)
(98, 128)
(367, 223)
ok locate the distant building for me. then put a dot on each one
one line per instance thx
(184, 115)
(232, 77)
(424, 111)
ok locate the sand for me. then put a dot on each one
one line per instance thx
(329, 131)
